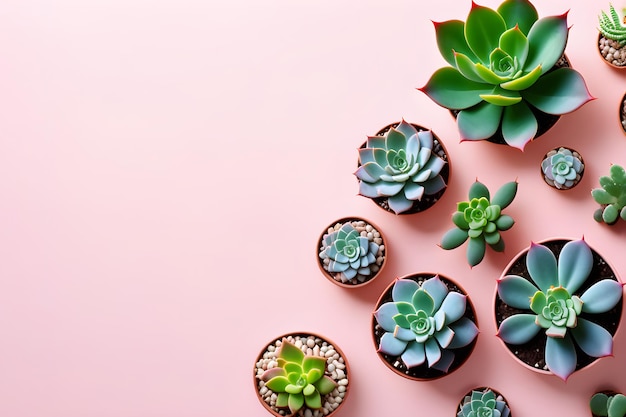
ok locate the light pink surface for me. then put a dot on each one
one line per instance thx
(167, 166)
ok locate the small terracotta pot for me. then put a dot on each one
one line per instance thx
(423, 372)
(373, 233)
(622, 113)
(427, 201)
(554, 184)
(609, 63)
(339, 371)
(499, 397)
(531, 354)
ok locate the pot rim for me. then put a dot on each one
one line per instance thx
(610, 64)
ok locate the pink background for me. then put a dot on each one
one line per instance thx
(167, 166)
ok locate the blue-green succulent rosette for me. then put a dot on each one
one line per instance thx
(561, 300)
(501, 77)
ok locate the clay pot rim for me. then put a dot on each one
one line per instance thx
(556, 149)
(345, 220)
(305, 334)
(469, 303)
(610, 64)
(495, 297)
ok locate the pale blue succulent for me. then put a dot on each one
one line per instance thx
(556, 308)
(400, 166)
(424, 323)
(562, 168)
(349, 253)
(483, 403)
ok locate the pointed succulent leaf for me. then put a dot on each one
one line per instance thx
(558, 92)
(313, 399)
(312, 376)
(414, 355)
(592, 338)
(483, 27)
(272, 373)
(467, 67)
(423, 301)
(542, 267)
(436, 289)
(518, 12)
(505, 195)
(453, 238)
(453, 306)
(519, 125)
(310, 363)
(575, 263)
(488, 76)
(296, 402)
(405, 308)
(433, 352)
(407, 129)
(444, 363)
(514, 42)
(384, 316)
(277, 384)
(598, 404)
(523, 82)
(475, 251)
(560, 356)
(325, 385)
(450, 89)
(479, 122)
(518, 329)
(547, 39)
(601, 296)
(398, 203)
(444, 337)
(478, 190)
(395, 140)
(290, 353)
(282, 400)
(391, 345)
(434, 185)
(610, 213)
(450, 38)
(504, 222)
(403, 290)
(516, 291)
(465, 331)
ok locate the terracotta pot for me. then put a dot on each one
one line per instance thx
(609, 63)
(499, 397)
(622, 113)
(552, 183)
(373, 233)
(531, 354)
(427, 201)
(422, 372)
(339, 371)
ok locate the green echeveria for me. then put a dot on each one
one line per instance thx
(298, 380)
(562, 168)
(612, 196)
(554, 307)
(500, 71)
(604, 405)
(400, 166)
(349, 253)
(611, 26)
(424, 323)
(481, 220)
(483, 404)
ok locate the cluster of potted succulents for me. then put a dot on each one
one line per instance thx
(612, 37)
(483, 402)
(562, 168)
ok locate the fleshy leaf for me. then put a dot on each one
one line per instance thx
(478, 190)
(403, 290)
(575, 263)
(504, 222)
(610, 213)
(453, 238)
(560, 356)
(523, 82)
(277, 384)
(592, 338)
(500, 99)
(313, 400)
(465, 331)
(518, 329)
(602, 296)
(617, 406)
(475, 251)
(414, 355)
(505, 195)
(558, 92)
(542, 267)
(601, 196)
(547, 39)
(514, 43)
(391, 345)
(423, 301)
(436, 289)
(450, 89)
(479, 122)
(433, 352)
(450, 38)
(325, 385)
(598, 404)
(453, 306)
(518, 12)
(483, 27)
(290, 352)
(519, 125)
(313, 362)
(516, 291)
(467, 67)
(384, 316)
(296, 402)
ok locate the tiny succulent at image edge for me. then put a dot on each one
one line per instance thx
(348, 252)
(555, 308)
(500, 71)
(611, 26)
(483, 403)
(562, 168)
(423, 323)
(481, 220)
(400, 166)
(606, 405)
(298, 380)
(612, 196)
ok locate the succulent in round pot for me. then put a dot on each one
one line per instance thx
(608, 404)
(481, 220)
(483, 402)
(612, 38)
(611, 196)
(562, 168)
(558, 306)
(508, 81)
(404, 168)
(351, 252)
(424, 326)
(301, 374)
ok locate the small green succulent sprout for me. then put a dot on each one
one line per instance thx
(299, 379)
(483, 403)
(500, 74)
(612, 196)
(608, 405)
(424, 323)
(611, 26)
(401, 167)
(556, 308)
(481, 220)
(349, 254)
(562, 168)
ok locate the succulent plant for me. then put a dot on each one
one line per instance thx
(556, 308)
(612, 196)
(500, 71)
(424, 323)
(348, 253)
(483, 403)
(299, 379)
(611, 26)
(562, 168)
(606, 405)
(400, 166)
(481, 220)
